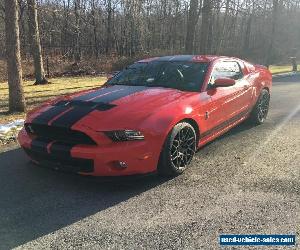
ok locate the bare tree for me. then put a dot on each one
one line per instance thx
(35, 42)
(273, 32)
(77, 11)
(191, 25)
(14, 69)
(98, 29)
(109, 28)
(206, 26)
(94, 24)
(223, 26)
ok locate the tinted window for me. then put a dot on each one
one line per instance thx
(187, 76)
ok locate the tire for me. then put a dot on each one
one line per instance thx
(260, 111)
(178, 150)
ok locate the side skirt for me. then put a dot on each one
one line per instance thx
(222, 128)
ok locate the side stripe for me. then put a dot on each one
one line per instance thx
(224, 124)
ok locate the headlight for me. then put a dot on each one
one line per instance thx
(125, 135)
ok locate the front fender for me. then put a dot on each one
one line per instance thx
(160, 124)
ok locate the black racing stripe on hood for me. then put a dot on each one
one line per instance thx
(126, 91)
(49, 114)
(54, 111)
(71, 117)
(89, 104)
(98, 92)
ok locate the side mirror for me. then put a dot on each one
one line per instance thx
(224, 82)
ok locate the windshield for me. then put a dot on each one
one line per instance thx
(187, 76)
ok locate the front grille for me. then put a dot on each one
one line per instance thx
(60, 162)
(59, 134)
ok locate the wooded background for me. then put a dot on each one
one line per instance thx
(264, 31)
(110, 34)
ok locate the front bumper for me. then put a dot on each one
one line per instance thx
(141, 157)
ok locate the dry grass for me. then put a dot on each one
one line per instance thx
(35, 95)
(276, 69)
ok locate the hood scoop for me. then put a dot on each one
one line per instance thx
(101, 106)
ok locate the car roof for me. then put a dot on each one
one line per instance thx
(185, 58)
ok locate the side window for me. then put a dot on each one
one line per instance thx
(226, 69)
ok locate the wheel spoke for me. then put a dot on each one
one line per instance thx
(174, 158)
(183, 148)
(260, 113)
(263, 107)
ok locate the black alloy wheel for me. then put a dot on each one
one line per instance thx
(261, 108)
(178, 151)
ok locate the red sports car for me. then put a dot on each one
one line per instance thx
(152, 116)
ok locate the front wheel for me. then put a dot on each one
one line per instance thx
(261, 108)
(178, 150)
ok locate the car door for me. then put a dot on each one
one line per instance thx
(246, 88)
(227, 102)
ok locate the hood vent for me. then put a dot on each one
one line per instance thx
(101, 106)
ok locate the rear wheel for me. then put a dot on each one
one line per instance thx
(261, 108)
(178, 150)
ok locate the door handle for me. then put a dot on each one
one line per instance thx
(246, 87)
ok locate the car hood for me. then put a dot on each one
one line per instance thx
(111, 106)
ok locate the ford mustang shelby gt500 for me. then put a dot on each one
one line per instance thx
(152, 116)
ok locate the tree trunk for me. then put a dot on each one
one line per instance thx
(205, 26)
(94, 23)
(222, 35)
(273, 33)
(14, 69)
(77, 31)
(191, 25)
(246, 45)
(35, 42)
(210, 32)
(109, 28)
